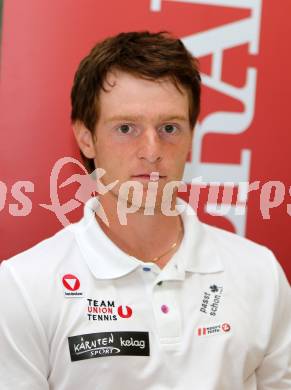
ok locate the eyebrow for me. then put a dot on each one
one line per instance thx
(130, 118)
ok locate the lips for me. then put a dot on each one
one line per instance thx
(154, 176)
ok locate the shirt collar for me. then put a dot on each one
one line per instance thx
(107, 261)
(197, 252)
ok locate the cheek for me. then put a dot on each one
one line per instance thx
(180, 155)
(113, 162)
(107, 153)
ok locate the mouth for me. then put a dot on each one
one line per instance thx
(153, 176)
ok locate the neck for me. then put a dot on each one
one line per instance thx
(143, 236)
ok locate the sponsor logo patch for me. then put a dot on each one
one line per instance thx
(71, 286)
(94, 345)
(211, 300)
(106, 310)
(214, 329)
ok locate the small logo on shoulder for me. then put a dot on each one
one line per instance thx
(71, 286)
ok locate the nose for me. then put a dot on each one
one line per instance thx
(150, 146)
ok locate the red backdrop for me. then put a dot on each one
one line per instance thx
(243, 132)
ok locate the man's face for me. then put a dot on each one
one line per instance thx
(143, 127)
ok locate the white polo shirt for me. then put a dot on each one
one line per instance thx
(76, 312)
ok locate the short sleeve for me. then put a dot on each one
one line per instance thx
(274, 373)
(23, 345)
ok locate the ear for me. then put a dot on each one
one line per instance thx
(84, 139)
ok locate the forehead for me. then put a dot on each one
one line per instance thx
(125, 93)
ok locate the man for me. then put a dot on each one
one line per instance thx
(139, 294)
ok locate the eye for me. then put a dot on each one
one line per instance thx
(125, 128)
(170, 128)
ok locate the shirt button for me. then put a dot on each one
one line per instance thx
(165, 309)
(160, 283)
(146, 269)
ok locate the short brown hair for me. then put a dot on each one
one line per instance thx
(148, 55)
